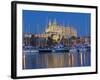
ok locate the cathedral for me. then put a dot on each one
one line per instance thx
(58, 31)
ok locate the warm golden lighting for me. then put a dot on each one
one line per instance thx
(58, 31)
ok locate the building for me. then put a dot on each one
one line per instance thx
(57, 31)
(54, 33)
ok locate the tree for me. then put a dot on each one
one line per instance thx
(33, 40)
(49, 41)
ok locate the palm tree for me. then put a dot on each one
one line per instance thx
(49, 41)
(33, 40)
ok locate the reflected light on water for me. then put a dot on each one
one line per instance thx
(55, 60)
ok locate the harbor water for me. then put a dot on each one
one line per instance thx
(38, 60)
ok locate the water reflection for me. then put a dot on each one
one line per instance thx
(55, 60)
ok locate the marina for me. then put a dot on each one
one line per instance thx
(32, 60)
(56, 45)
(57, 57)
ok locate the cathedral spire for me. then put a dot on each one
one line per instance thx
(49, 22)
(55, 22)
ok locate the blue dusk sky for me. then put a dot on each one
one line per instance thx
(36, 21)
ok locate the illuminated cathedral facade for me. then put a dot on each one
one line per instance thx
(58, 31)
